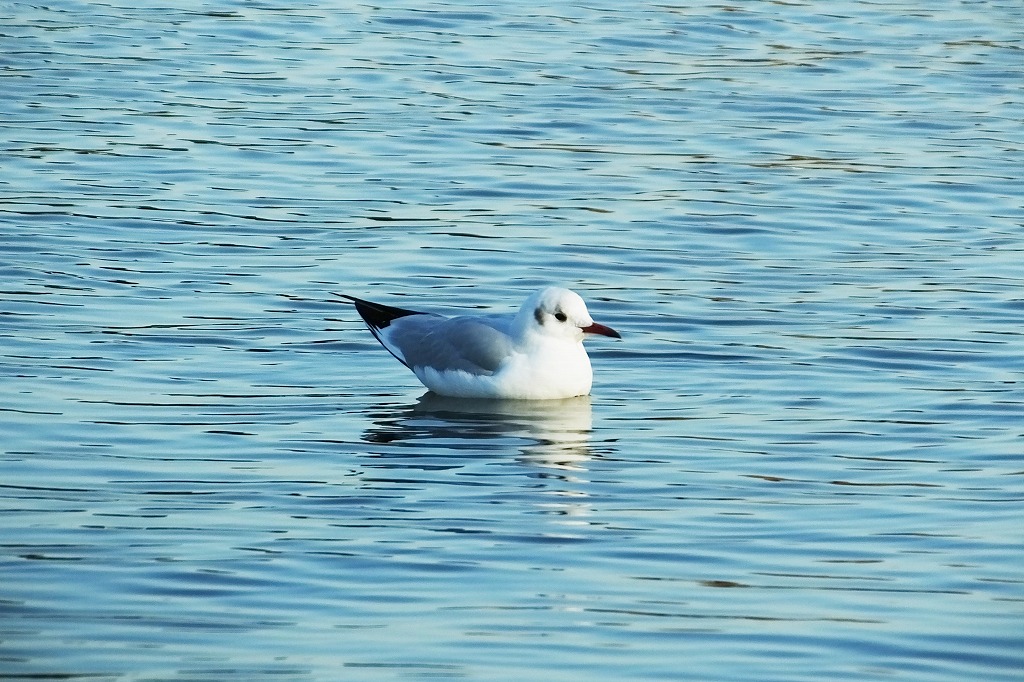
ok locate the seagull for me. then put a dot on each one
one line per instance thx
(535, 354)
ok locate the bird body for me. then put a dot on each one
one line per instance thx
(534, 354)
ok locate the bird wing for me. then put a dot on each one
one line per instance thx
(445, 344)
(477, 345)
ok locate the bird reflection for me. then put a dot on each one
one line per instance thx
(550, 439)
(546, 433)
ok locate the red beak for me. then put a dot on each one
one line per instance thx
(602, 330)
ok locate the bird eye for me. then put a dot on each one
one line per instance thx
(560, 316)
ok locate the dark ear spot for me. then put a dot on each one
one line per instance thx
(538, 315)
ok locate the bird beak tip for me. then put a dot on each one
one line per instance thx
(601, 329)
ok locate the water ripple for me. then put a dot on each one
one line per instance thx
(803, 461)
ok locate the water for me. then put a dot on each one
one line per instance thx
(804, 461)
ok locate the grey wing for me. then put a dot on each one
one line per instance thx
(459, 343)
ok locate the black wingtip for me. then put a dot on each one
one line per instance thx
(377, 315)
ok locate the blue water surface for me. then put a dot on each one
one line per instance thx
(803, 461)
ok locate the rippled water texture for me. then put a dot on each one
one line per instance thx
(803, 461)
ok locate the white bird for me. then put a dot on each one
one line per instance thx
(535, 354)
